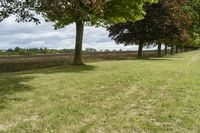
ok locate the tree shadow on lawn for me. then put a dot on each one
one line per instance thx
(146, 57)
(155, 59)
(11, 84)
(63, 69)
(15, 82)
(174, 56)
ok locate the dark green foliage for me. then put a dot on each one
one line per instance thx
(193, 8)
(164, 21)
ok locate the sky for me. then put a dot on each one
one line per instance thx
(29, 35)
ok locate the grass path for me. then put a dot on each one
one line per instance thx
(153, 95)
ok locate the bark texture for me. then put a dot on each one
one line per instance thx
(79, 42)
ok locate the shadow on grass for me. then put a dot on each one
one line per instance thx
(56, 69)
(155, 59)
(150, 58)
(63, 69)
(10, 85)
(174, 56)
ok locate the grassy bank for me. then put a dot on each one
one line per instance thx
(29, 62)
(152, 95)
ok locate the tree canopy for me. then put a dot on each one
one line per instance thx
(193, 8)
(165, 20)
(64, 12)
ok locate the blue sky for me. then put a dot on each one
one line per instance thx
(29, 35)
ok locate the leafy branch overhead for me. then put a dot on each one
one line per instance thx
(93, 12)
(19, 9)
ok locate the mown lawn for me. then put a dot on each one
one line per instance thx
(152, 95)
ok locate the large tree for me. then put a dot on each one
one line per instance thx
(165, 20)
(130, 33)
(86, 12)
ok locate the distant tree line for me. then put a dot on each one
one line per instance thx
(34, 51)
(38, 51)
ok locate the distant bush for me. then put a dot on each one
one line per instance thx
(90, 50)
(1, 52)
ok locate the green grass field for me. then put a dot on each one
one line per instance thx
(151, 95)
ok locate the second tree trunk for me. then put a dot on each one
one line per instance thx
(140, 49)
(165, 49)
(172, 49)
(159, 50)
(177, 47)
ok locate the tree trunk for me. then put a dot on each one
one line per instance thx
(185, 49)
(159, 50)
(182, 49)
(140, 49)
(79, 42)
(172, 49)
(176, 48)
(165, 49)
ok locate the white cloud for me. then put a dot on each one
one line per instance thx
(28, 35)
